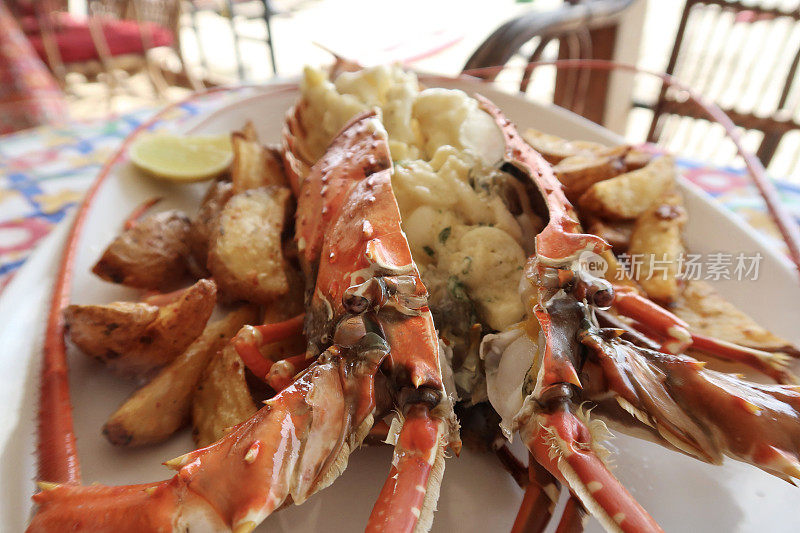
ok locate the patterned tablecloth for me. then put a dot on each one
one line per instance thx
(45, 171)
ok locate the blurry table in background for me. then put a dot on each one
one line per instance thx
(45, 171)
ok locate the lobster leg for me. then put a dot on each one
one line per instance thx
(538, 502)
(657, 322)
(628, 302)
(277, 374)
(408, 498)
(573, 518)
(562, 442)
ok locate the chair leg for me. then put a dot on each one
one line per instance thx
(236, 44)
(268, 11)
(193, 81)
(201, 51)
(156, 77)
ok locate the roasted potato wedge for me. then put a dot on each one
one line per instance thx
(616, 232)
(636, 158)
(245, 253)
(151, 255)
(248, 131)
(290, 305)
(627, 196)
(137, 338)
(616, 273)
(157, 410)
(708, 313)
(656, 246)
(579, 172)
(554, 148)
(254, 165)
(221, 399)
(202, 224)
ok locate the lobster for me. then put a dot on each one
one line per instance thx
(371, 335)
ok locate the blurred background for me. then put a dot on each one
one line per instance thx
(107, 57)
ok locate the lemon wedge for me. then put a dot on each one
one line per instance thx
(182, 158)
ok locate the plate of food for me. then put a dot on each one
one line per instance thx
(421, 294)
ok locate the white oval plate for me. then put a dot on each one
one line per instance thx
(477, 495)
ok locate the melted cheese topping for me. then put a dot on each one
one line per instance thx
(445, 149)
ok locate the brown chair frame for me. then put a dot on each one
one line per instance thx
(774, 126)
(584, 29)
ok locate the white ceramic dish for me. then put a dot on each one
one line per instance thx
(477, 495)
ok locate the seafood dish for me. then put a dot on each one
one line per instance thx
(409, 267)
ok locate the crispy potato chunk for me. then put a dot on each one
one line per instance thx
(254, 165)
(136, 338)
(554, 148)
(157, 410)
(579, 172)
(708, 313)
(245, 255)
(657, 245)
(151, 255)
(202, 225)
(628, 195)
(221, 399)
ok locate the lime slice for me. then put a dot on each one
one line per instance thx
(182, 158)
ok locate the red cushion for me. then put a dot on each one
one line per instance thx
(23, 7)
(123, 36)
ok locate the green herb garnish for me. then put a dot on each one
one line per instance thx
(456, 289)
(467, 265)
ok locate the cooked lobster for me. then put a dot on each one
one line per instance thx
(372, 336)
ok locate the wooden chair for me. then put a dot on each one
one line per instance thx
(744, 57)
(236, 12)
(117, 35)
(577, 29)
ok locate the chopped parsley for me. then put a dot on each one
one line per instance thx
(456, 289)
(467, 265)
(429, 250)
(445, 234)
